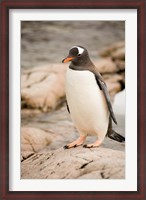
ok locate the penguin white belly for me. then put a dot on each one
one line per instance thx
(87, 104)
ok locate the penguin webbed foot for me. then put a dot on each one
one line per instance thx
(94, 145)
(68, 147)
(116, 136)
(76, 143)
(87, 146)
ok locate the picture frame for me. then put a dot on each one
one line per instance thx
(5, 104)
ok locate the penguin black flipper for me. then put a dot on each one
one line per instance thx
(67, 107)
(103, 87)
(113, 134)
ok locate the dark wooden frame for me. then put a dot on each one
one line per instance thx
(140, 5)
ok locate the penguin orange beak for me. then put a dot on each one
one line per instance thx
(67, 59)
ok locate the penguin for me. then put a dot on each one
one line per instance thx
(88, 100)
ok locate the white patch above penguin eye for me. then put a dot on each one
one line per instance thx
(80, 50)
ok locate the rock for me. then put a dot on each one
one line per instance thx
(106, 66)
(29, 112)
(123, 81)
(76, 163)
(114, 83)
(114, 88)
(31, 78)
(106, 52)
(113, 78)
(43, 87)
(120, 64)
(118, 54)
(33, 140)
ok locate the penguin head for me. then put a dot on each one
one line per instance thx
(77, 54)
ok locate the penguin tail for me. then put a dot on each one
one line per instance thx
(116, 136)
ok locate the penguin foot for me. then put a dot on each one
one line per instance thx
(87, 146)
(90, 146)
(68, 147)
(94, 145)
(76, 143)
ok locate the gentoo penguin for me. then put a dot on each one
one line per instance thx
(88, 100)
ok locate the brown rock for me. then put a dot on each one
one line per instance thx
(43, 87)
(33, 140)
(123, 75)
(106, 52)
(106, 65)
(76, 163)
(113, 78)
(118, 54)
(32, 78)
(113, 82)
(120, 64)
(114, 88)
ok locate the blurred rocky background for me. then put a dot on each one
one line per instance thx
(45, 123)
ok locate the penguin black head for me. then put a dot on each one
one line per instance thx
(78, 55)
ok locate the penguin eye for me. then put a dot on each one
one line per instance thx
(79, 55)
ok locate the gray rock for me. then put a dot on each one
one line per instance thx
(33, 140)
(76, 163)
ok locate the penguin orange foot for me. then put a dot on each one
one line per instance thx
(76, 143)
(94, 145)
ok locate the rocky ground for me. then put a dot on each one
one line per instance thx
(46, 124)
(78, 163)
